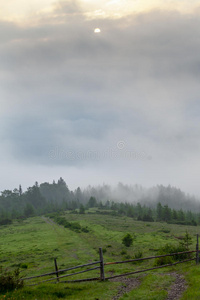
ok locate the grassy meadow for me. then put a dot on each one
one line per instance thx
(32, 244)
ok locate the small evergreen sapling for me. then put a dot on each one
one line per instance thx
(127, 240)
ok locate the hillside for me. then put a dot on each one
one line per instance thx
(33, 244)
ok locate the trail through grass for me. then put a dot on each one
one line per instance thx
(33, 244)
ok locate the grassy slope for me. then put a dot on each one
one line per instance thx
(35, 243)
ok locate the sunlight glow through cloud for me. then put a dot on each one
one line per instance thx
(71, 91)
(23, 10)
(97, 30)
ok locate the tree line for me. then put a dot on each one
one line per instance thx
(144, 213)
(56, 196)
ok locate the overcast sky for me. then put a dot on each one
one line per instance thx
(119, 105)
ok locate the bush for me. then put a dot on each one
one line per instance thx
(5, 222)
(60, 220)
(67, 224)
(24, 266)
(10, 280)
(52, 215)
(82, 209)
(127, 240)
(138, 254)
(187, 241)
(169, 249)
(85, 229)
(75, 226)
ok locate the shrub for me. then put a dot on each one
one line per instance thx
(85, 229)
(60, 220)
(6, 222)
(169, 249)
(187, 241)
(82, 209)
(138, 254)
(75, 226)
(67, 224)
(10, 280)
(127, 240)
(52, 215)
(24, 266)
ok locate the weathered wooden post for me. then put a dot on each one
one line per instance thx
(197, 250)
(102, 276)
(56, 267)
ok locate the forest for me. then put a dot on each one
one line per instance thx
(167, 204)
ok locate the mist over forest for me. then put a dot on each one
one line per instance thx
(122, 199)
(171, 196)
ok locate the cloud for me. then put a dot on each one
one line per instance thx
(67, 7)
(68, 90)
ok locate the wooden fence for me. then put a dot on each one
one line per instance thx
(101, 266)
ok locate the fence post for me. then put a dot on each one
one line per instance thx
(56, 267)
(197, 250)
(102, 276)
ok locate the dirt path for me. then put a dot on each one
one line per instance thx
(177, 288)
(174, 293)
(49, 221)
(128, 285)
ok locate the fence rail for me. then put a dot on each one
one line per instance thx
(150, 269)
(59, 271)
(145, 258)
(103, 264)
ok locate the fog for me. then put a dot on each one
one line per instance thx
(118, 106)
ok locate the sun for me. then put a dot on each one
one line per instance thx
(97, 30)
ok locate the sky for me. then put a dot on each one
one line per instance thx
(117, 105)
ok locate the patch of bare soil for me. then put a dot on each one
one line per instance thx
(128, 285)
(177, 289)
(174, 293)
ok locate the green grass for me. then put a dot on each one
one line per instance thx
(33, 244)
(153, 287)
(85, 291)
(192, 276)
